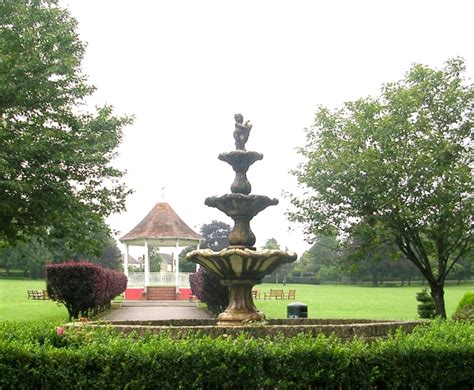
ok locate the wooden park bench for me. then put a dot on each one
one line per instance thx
(291, 294)
(38, 294)
(255, 294)
(277, 294)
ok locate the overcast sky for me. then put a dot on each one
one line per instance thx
(184, 68)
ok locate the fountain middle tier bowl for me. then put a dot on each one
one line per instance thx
(235, 205)
(240, 160)
(241, 263)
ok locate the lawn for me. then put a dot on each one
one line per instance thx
(324, 301)
(15, 305)
(348, 301)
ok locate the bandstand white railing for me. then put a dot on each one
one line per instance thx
(137, 279)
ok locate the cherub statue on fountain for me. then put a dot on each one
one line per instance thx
(241, 132)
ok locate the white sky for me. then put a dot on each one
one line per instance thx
(185, 67)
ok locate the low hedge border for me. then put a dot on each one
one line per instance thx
(440, 355)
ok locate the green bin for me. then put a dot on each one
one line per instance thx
(297, 310)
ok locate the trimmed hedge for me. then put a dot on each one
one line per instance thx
(84, 288)
(465, 309)
(426, 308)
(440, 355)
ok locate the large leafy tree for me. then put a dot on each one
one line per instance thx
(56, 178)
(215, 235)
(401, 162)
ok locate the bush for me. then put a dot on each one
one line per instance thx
(465, 309)
(440, 355)
(426, 308)
(208, 288)
(84, 288)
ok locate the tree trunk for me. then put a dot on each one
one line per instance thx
(437, 292)
(374, 280)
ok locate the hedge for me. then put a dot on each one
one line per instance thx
(465, 308)
(84, 288)
(437, 356)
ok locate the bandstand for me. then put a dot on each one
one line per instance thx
(162, 228)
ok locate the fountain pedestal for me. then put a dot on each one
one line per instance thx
(241, 307)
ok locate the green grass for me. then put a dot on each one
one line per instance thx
(15, 305)
(347, 301)
(325, 301)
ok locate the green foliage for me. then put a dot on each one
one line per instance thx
(155, 259)
(271, 244)
(440, 355)
(56, 178)
(208, 288)
(30, 257)
(399, 164)
(186, 266)
(204, 284)
(426, 308)
(83, 288)
(465, 309)
(215, 235)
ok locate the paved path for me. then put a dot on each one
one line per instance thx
(156, 310)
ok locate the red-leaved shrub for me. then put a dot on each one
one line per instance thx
(84, 288)
(208, 288)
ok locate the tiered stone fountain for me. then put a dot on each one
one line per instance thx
(240, 266)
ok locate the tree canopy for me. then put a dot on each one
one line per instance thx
(215, 235)
(399, 163)
(56, 177)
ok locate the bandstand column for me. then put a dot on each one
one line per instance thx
(176, 256)
(147, 264)
(125, 261)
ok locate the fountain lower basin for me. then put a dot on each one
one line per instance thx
(240, 269)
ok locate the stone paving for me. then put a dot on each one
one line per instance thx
(155, 310)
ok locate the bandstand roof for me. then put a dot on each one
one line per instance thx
(162, 227)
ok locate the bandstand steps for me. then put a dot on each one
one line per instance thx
(161, 294)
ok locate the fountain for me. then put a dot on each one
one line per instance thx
(240, 266)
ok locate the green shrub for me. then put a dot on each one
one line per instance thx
(426, 308)
(465, 309)
(440, 355)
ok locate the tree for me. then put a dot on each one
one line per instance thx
(56, 180)
(401, 161)
(271, 244)
(111, 257)
(324, 251)
(215, 235)
(30, 257)
(155, 259)
(186, 266)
